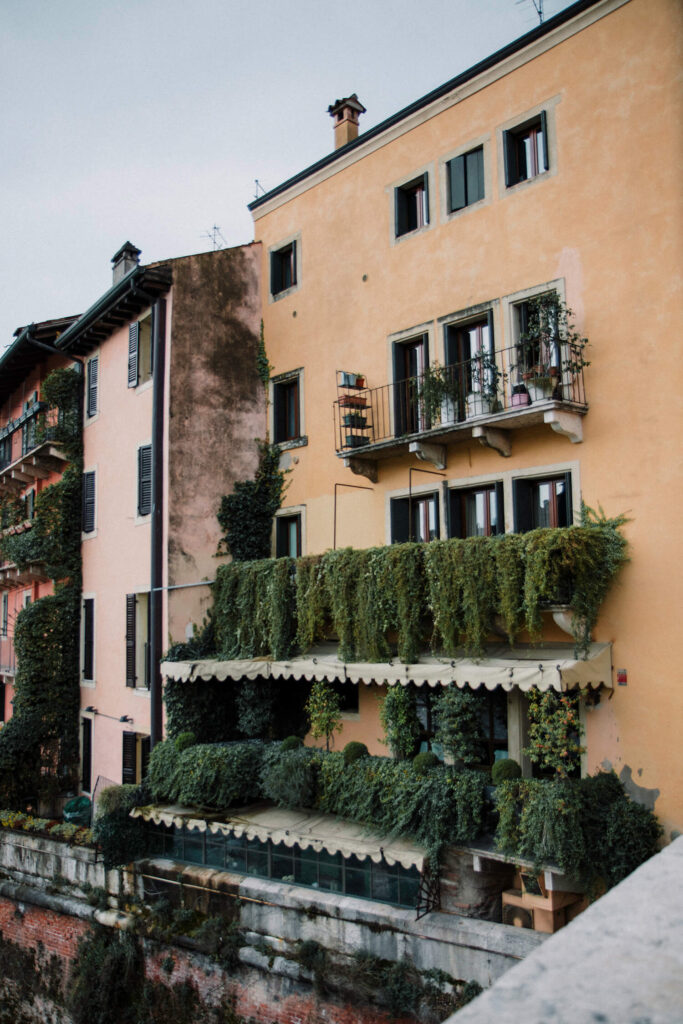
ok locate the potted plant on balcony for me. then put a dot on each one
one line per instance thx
(551, 350)
(486, 378)
(439, 395)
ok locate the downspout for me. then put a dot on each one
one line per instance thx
(157, 523)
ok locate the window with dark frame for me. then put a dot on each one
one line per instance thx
(410, 358)
(129, 759)
(86, 754)
(412, 205)
(283, 269)
(465, 179)
(288, 536)
(88, 639)
(88, 524)
(137, 640)
(415, 518)
(543, 501)
(286, 419)
(470, 350)
(476, 511)
(525, 149)
(4, 623)
(92, 386)
(144, 480)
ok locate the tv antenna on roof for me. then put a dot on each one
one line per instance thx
(216, 237)
(257, 186)
(538, 7)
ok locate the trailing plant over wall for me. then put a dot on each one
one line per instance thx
(246, 515)
(39, 745)
(452, 592)
(459, 728)
(263, 366)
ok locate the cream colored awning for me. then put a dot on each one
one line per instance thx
(554, 667)
(304, 829)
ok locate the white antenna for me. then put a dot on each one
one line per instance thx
(538, 7)
(257, 186)
(216, 237)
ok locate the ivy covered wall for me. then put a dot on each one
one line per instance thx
(39, 745)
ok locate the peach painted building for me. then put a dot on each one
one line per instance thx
(552, 166)
(29, 462)
(173, 405)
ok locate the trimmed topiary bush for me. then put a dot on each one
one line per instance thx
(424, 761)
(353, 751)
(291, 743)
(506, 768)
(184, 740)
(289, 777)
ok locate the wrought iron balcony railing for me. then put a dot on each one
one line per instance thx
(501, 384)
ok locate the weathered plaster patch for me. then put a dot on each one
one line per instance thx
(643, 795)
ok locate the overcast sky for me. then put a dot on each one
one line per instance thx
(149, 120)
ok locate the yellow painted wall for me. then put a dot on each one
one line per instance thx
(605, 221)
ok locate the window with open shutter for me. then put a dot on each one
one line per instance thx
(466, 179)
(525, 150)
(542, 502)
(129, 759)
(411, 205)
(130, 639)
(145, 480)
(93, 378)
(88, 502)
(133, 331)
(86, 755)
(88, 638)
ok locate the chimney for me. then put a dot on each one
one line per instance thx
(345, 113)
(125, 260)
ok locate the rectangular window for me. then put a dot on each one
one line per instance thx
(86, 754)
(30, 500)
(2, 703)
(91, 386)
(542, 502)
(525, 150)
(144, 480)
(476, 512)
(88, 525)
(415, 519)
(288, 536)
(412, 205)
(140, 351)
(471, 352)
(137, 640)
(466, 179)
(88, 639)
(283, 269)
(286, 420)
(4, 621)
(411, 358)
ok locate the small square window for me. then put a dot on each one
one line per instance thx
(526, 150)
(466, 179)
(415, 519)
(412, 205)
(283, 269)
(288, 536)
(286, 408)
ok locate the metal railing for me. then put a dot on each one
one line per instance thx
(490, 383)
(36, 426)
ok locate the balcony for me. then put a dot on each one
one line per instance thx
(28, 450)
(485, 397)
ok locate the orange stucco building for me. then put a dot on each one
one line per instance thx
(551, 167)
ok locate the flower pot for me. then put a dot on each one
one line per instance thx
(355, 419)
(478, 405)
(355, 441)
(449, 410)
(540, 388)
(353, 401)
(520, 398)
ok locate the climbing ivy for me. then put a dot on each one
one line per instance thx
(39, 745)
(246, 515)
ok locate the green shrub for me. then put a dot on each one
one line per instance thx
(398, 715)
(254, 702)
(121, 838)
(289, 777)
(219, 775)
(424, 761)
(631, 837)
(504, 769)
(116, 798)
(353, 751)
(323, 711)
(106, 978)
(162, 771)
(291, 743)
(458, 717)
(184, 740)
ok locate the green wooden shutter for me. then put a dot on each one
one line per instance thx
(510, 156)
(456, 172)
(93, 375)
(544, 132)
(88, 502)
(399, 520)
(129, 759)
(455, 514)
(425, 185)
(88, 638)
(144, 755)
(521, 496)
(86, 755)
(475, 175)
(500, 508)
(145, 480)
(130, 640)
(133, 333)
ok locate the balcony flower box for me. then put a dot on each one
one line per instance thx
(353, 401)
(355, 441)
(354, 419)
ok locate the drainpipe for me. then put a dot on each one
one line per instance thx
(157, 524)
